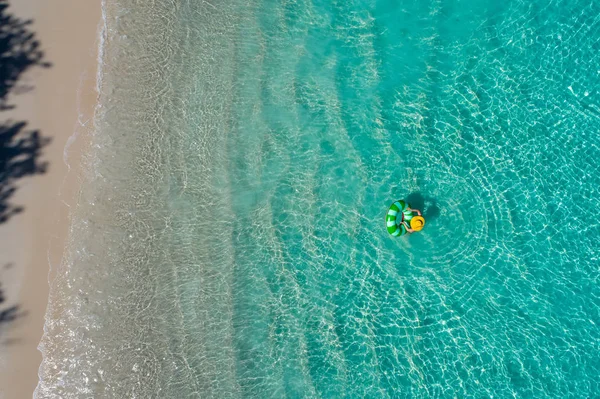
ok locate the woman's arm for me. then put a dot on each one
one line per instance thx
(408, 227)
(414, 210)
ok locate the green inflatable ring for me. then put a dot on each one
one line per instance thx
(397, 213)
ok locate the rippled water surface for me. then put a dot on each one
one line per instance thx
(230, 240)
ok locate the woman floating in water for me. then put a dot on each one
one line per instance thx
(418, 225)
(400, 219)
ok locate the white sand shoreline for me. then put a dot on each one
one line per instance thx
(63, 99)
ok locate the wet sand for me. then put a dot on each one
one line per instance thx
(60, 106)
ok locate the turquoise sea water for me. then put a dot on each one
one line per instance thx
(229, 240)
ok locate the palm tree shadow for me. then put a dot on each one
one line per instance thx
(427, 205)
(20, 148)
(19, 51)
(9, 313)
(19, 157)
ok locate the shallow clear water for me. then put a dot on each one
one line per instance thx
(230, 240)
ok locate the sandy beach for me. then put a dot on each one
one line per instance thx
(60, 106)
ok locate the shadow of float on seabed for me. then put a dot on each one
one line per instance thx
(427, 205)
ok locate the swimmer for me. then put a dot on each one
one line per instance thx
(408, 228)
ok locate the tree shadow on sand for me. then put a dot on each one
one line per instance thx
(20, 148)
(19, 51)
(7, 313)
(19, 157)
